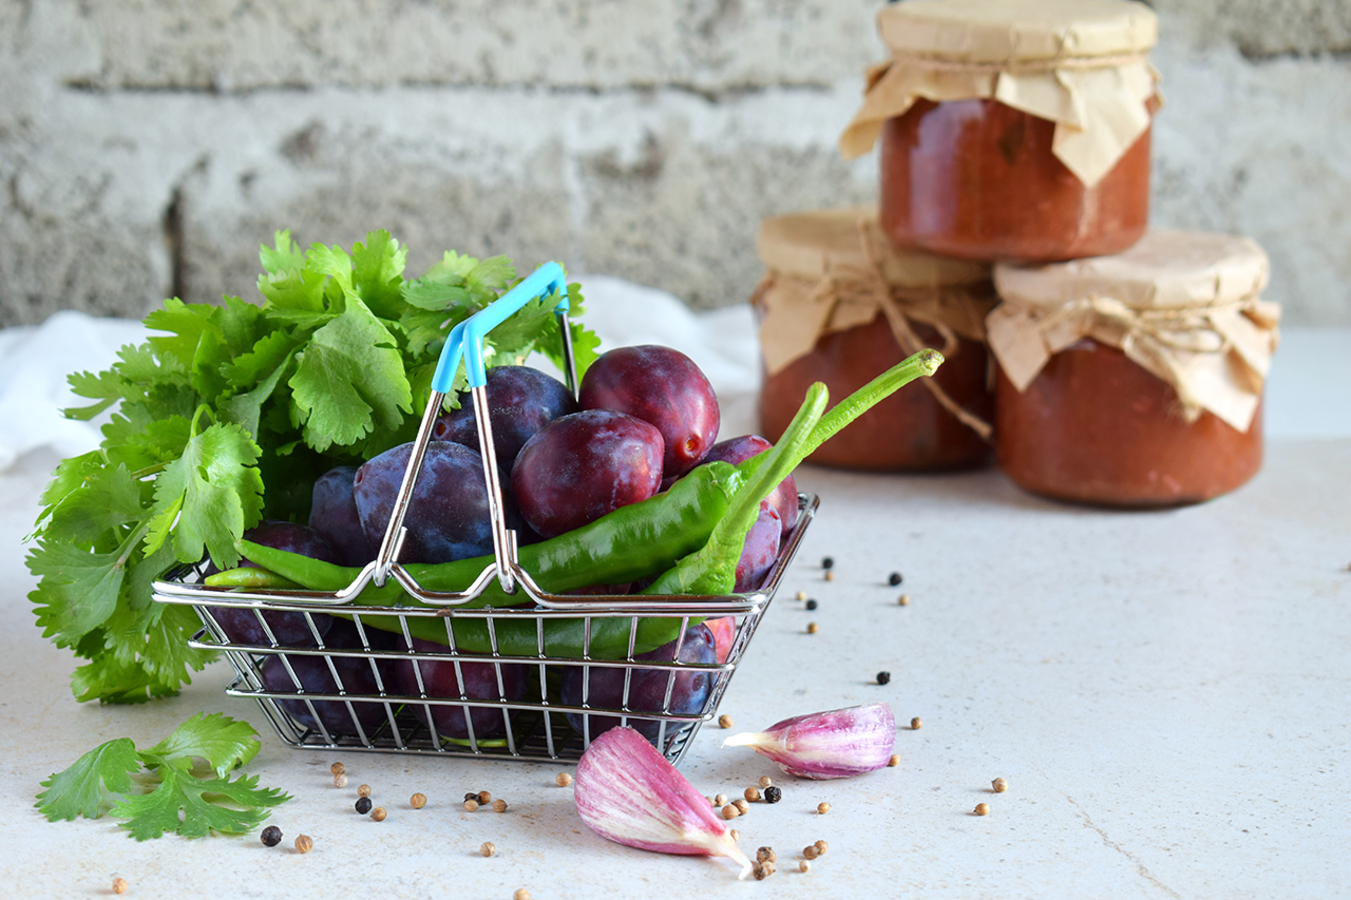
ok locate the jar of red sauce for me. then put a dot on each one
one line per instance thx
(1012, 129)
(840, 305)
(1134, 380)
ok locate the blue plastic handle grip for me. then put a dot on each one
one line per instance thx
(466, 338)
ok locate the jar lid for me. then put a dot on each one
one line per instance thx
(1164, 270)
(815, 244)
(1003, 31)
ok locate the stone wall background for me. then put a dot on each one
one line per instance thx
(147, 147)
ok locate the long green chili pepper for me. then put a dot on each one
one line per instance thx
(692, 534)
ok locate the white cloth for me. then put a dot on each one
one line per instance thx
(36, 360)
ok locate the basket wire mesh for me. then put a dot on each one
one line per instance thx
(360, 680)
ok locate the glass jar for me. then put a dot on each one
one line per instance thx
(839, 305)
(1012, 129)
(1134, 380)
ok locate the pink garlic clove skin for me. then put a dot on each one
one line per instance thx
(835, 744)
(628, 793)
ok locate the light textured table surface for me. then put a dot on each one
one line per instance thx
(1166, 693)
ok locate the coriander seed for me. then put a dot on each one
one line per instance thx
(724, 721)
(766, 853)
(499, 805)
(363, 805)
(801, 595)
(363, 790)
(822, 808)
(765, 781)
(894, 579)
(337, 768)
(736, 835)
(917, 723)
(810, 851)
(752, 794)
(773, 794)
(471, 806)
(741, 805)
(484, 798)
(803, 866)
(340, 780)
(904, 599)
(521, 894)
(271, 836)
(417, 801)
(982, 809)
(883, 677)
(488, 848)
(830, 575)
(304, 843)
(811, 628)
(999, 785)
(730, 812)
(720, 800)
(895, 760)
(821, 847)
(763, 870)
(119, 885)
(563, 779)
(378, 814)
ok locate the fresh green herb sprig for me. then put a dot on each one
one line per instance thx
(226, 416)
(181, 785)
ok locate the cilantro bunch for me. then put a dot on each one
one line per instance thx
(227, 416)
(165, 788)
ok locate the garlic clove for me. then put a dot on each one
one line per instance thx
(834, 744)
(628, 793)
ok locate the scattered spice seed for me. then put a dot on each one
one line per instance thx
(499, 805)
(811, 628)
(119, 885)
(822, 808)
(363, 790)
(337, 768)
(917, 723)
(472, 795)
(736, 835)
(720, 800)
(904, 599)
(724, 721)
(999, 785)
(521, 894)
(766, 853)
(821, 847)
(982, 809)
(417, 801)
(894, 579)
(271, 836)
(763, 870)
(488, 848)
(741, 806)
(801, 595)
(827, 562)
(752, 794)
(730, 812)
(830, 576)
(563, 779)
(803, 866)
(363, 805)
(773, 794)
(765, 781)
(304, 843)
(484, 798)
(810, 851)
(895, 760)
(883, 677)
(378, 814)
(812, 604)
(471, 806)
(340, 780)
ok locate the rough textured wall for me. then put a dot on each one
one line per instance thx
(147, 147)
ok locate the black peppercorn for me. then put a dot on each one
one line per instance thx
(894, 579)
(883, 677)
(271, 836)
(811, 604)
(364, 805)
(773, 794)
(827, 562)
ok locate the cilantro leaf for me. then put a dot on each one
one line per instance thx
(78, 591)
(83, 789)
(350, 380)
(284, 256)
(219, 740)
(193, 807)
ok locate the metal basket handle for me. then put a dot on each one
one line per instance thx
(466, 341)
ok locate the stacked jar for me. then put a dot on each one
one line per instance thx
(1016, 133)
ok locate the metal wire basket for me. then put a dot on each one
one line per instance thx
(333, 675)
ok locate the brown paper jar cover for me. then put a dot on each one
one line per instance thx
(840, 305)
(1012, 129)
(1135, 380)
